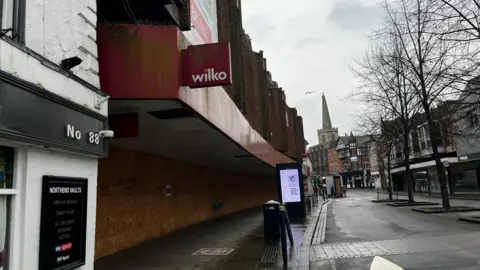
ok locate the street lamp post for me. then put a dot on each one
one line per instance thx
(446, 164)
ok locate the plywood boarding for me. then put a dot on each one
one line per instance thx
(133, 207)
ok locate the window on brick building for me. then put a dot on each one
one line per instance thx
(354, 165)
(366, 165)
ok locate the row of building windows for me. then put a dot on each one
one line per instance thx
(354, 165)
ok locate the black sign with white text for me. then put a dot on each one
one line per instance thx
(34, 115)
(63, 223)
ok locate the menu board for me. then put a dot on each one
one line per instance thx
(289, 180)
(63, 223)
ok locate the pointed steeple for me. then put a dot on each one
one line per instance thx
(326, 122)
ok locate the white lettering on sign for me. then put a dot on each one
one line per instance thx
(93, 138)
(65, 190)
(209, 76)
(72, 133)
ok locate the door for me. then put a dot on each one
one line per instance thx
(338, 186)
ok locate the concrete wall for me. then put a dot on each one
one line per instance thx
(133, 206)
(55, 30)
(58, 29)
(31, 164)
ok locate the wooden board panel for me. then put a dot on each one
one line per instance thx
(133, 206)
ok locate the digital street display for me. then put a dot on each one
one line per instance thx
(290, 185)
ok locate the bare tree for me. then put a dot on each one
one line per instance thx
(462, 16)
(381, 141)
(385, 87)
(438, 66)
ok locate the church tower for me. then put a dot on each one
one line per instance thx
(327, 133)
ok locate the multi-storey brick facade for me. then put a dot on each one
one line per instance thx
(230, 28)
(256, 91)
(278, 128)
(334, 163)
(261, 88)
(253, 90)
(299, 135)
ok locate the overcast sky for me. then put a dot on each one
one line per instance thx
(310, 45)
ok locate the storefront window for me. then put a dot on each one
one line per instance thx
(6, 182)
(6, 167)
(4, 230)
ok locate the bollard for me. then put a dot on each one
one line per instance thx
(283, 237)
(287, 223)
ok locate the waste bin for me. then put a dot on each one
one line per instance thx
(271, 220)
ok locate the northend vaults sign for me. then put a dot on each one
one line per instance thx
(207, 65)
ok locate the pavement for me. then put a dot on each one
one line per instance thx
(343, 233)
(238, 236)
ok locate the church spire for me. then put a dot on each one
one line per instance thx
(326, 122)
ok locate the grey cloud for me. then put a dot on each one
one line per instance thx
(353, 15)
(263, 27)
(304, 43)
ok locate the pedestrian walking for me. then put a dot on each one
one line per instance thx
(344, 190)
(332, 191)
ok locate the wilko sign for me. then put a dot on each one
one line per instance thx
(207, 65)
(209, 75)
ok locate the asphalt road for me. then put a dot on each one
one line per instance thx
(358, 229)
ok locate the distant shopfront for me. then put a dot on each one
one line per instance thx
(44, 136)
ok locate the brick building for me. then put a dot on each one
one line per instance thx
(353, 153)
(334, 163)
(254, 92)
(215, 145)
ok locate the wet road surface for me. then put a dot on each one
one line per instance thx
(358, 229)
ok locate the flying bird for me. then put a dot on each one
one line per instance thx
(310, 92)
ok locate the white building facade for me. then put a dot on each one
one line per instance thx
(51, 115)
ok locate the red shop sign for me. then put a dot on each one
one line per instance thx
(207, 65)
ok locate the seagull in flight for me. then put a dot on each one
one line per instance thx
(310, 92)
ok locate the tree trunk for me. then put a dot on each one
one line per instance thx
(406, 153)
(438, 163)
(390, 186)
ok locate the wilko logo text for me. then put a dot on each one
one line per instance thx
(209, 75)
